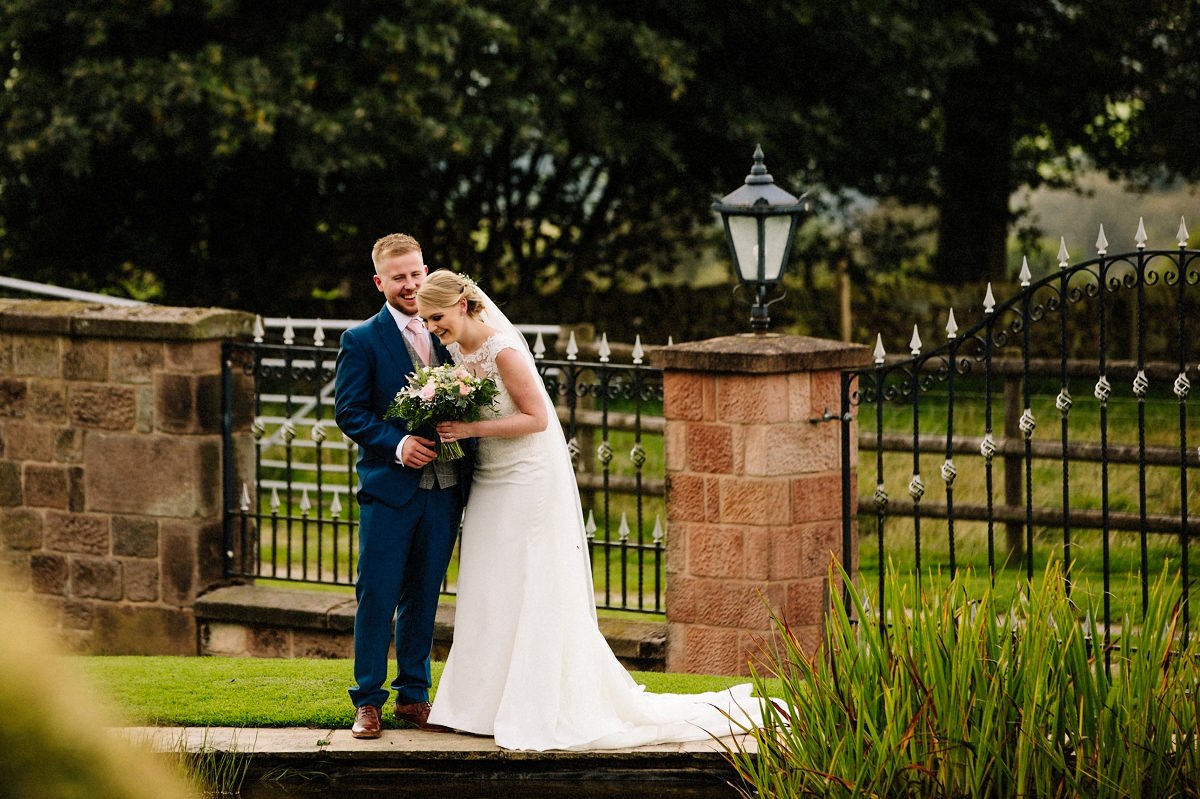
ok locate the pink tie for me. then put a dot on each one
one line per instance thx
(420, 338)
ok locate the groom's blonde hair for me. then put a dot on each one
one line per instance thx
(444, 288)
(393, 244)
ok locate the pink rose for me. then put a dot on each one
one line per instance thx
(427, 391)
(464, 389)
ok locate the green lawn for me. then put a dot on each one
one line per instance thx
(254, 692)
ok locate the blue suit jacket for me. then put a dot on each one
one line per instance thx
(372, 365)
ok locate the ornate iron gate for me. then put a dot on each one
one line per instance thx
(1064, 412)
(296, 520)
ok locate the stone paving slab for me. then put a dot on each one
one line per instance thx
(299, 741)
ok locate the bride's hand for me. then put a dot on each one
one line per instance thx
(452, 431)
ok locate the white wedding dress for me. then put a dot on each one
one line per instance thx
(529, 665)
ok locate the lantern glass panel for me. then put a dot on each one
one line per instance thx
(778, 235)
(743, 234)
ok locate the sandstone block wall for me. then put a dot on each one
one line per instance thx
(111, 488)
(110, 467)
(754, 499)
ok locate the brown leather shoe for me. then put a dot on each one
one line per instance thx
(366, 722)
(417, 714)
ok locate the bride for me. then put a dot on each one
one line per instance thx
(528, 664)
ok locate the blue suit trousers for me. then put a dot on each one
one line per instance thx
(403, 555)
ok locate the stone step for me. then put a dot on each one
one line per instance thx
(308, 762)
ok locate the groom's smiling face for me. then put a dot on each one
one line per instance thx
(398, 277)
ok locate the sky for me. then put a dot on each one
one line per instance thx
(1078, 217)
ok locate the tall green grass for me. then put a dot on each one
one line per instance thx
(965, 696)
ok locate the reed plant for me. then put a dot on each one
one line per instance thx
(212, 772)
(946, 694)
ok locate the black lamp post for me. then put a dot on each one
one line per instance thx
(760, 222)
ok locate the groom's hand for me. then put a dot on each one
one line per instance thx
(417, 452)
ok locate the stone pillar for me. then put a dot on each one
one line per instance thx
(110, 467)
(754, 503)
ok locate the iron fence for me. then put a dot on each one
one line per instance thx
(1107, 475)
(296, 519)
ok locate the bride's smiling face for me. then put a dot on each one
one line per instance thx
(445, 323)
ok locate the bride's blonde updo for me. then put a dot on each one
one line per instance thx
(444, 288)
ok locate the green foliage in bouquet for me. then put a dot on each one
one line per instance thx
(963, 697)
(444, 393)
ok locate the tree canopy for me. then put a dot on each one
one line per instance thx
(248, 153)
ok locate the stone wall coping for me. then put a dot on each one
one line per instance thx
(299, 608)
(281, 607)
(161, 322)
(762, 353)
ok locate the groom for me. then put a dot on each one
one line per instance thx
(410, 504)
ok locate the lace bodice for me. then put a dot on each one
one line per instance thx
(482, 363)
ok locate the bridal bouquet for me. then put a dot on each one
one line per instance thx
(444, 393)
